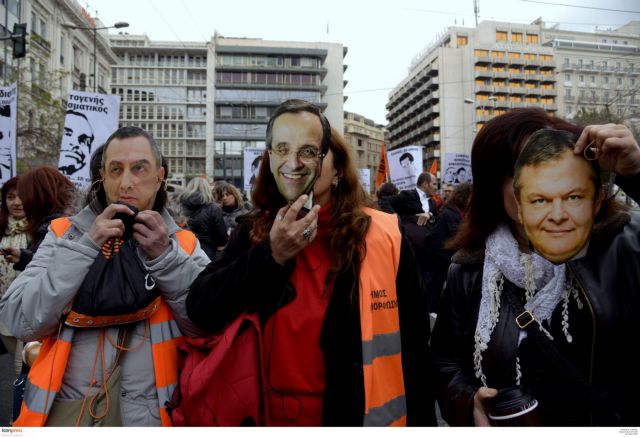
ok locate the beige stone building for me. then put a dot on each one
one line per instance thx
(465, 77)
(597, 71)
(366, 139)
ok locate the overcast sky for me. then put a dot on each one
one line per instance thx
(382, 36)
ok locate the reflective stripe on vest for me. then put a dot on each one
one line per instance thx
(385, 403)
(45, 378)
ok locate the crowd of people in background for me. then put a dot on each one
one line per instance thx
(371, 308)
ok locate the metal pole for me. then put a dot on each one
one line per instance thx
(95, 61)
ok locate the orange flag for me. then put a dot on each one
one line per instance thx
(434, 167)
(383, 168)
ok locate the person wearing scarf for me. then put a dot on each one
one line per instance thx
(586, 306)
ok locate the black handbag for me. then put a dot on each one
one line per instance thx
(116, 290)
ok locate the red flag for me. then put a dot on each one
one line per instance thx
(434, 167)
(383, 168)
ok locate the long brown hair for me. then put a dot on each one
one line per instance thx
(348, 224)
(43, 191)
(493, 157)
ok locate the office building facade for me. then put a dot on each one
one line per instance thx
(466, 77)
(206, 102)
(366, 139)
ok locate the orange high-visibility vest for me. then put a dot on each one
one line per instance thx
(385, 402)
(45, 378)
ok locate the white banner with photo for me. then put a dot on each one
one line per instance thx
(91, 118)
(365, 179)
(405, 165)
(8, 128)
(456, 169)
(251, 166)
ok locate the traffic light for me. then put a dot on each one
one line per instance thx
(19, 38)
(83, 81)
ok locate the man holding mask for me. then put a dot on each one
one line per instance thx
(109, 366)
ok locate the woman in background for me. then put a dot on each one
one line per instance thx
(230, 199)
(13, 225)
(204, 217)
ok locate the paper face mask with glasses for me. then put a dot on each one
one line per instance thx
(296, 177)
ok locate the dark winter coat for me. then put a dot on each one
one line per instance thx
(206, 222)
(604, 331)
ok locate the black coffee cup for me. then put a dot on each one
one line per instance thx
(513, 407)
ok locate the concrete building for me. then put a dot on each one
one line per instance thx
(206, 102)
(464, 78)
(58, 59)
(366, 139)
(163, 89)
(597, 71)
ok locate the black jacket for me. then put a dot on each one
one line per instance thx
(407, 203)
(604, 333)
(207, 223)
(247, 278)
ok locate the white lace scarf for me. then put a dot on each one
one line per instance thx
(530, 272)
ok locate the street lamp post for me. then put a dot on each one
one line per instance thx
(118, 25)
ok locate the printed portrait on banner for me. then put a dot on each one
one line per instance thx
(90, 119)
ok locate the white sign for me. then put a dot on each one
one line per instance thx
(365, 179)
(405, 165)
(456, 169)
(8, 127)
(91, 118)
(251, 165)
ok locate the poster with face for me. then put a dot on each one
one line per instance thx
(456, 169)
(405, 165)
(90, 119)
(365, 179)
(251, 165)
(559, 194)
(8, 125)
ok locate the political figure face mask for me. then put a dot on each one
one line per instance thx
(557, 205)
(295, 155)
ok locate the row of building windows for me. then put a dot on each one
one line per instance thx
(603, 80)
(512, 55)
(603, 65)
(174, 130)
(156, 60)
(237, 77)
(267, 60)
(606, 96)
(162, 112)
(272, 96)
(517, 37)
(165, 95)
(243, 112)
(514, 83)
(515, 98)
(158, 76)
(192, 166)
(235, 147)
(527, 70)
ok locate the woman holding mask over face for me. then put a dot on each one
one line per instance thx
(583, 300)
(337, 288)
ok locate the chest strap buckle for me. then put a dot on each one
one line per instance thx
(524, 319)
